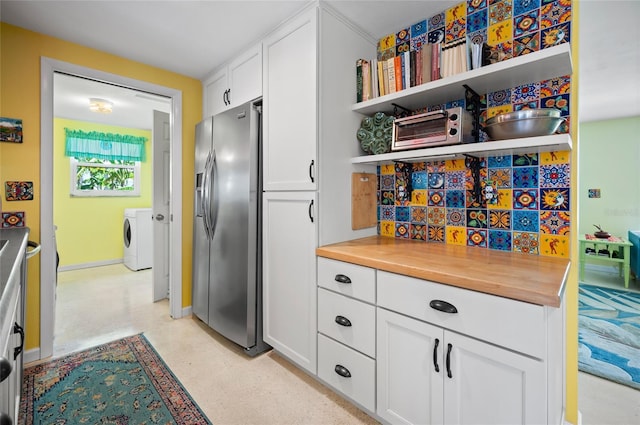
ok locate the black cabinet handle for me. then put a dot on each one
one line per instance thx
(229, 96)
(443, 306)
(310, 171)
(342, 371)
(340, 278)
(5, 368)
(17, 329)
(224, 97)
(449, 347)
(343, 321)
(310, 209)
(435, 355)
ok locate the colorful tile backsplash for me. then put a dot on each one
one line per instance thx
(524, 205)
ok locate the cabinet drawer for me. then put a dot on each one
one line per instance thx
(508, 323)
(360, 386)
(348, 279)
(360, 334)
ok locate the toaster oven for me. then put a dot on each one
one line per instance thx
(436, 128)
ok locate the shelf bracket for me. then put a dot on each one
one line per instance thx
(473, 104)
(474, 163)
(397, 114)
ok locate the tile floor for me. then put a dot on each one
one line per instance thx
(101, 304)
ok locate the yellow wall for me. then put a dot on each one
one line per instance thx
(90, 229)
(20, 53)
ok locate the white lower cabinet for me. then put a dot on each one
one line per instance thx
(428, 375)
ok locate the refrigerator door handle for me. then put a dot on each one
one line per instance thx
(213, 201)
(206, 198)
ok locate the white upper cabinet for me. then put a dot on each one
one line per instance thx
(234, 84)
(290, 113)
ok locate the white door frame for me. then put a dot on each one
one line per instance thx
(48, 67)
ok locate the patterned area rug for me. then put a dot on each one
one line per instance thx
(609, 334)
(118, 383)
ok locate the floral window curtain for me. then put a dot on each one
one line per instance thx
(104, 146)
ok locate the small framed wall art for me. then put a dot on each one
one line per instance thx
(18, 191)
(10, 130)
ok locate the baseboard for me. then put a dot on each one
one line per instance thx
(89, 265)
(186, 311)
(31, 355)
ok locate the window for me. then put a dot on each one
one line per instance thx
(104, 164)
(96, 177)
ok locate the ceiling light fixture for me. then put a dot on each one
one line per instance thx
(100, 105)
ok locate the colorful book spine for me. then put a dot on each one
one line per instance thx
(366, 80)
(359, 80)
(381, 90)
(407, 69)
(391, 74)
(397, 65)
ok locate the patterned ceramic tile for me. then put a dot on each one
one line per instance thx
(455, 13)
(525, 221)
(436, 36)
(403, 213)
(436, 180)
(436, 198)
(558, 157)
(456, 235)
(435, 166)
(525, 242)
(526, 160)
(525, 24)
(478, 37)
(388, 169)
(477, 237)
(499, 98)
(419, 28)
(419, 180)
(526, 44)
(524, 6)
(525, 177)
(477, 21)
(455, 199)
(553, 36)
(496, 110)
(475, 5)
(418, 232)
(387, 182)
(500, 240)
(436, 216)
(455, 180)
(499, 161)
(13, 219)
(419, 166)
(418, 42)
(554, 13)
(403, 36)
(505, 200)
(555, 175)
(419, 215)
(525, 93)
(502, 176)
(500, 11)
(554, 245)
(455, 165)
(555, 222)
(504, 50)
(555, 86)
(500, 32)
(555, 199)
(456, 30)
(525, 199)
(437, 21)
(388, 197)
(500, 219)
(456, 217)
(533, 104)
(436, 234)
(560, 101)
(473, 201)
(402, 230)
(18, 191)
(387, 228)
(477, 218)
(419, 197)
(387, 213)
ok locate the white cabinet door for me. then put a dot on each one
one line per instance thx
(289, 267)
(245, 77)
(410, 370)
(491, 385)
(215, 89)
(290, 106)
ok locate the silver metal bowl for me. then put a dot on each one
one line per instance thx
(524, 123)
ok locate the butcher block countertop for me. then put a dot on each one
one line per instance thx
(534, 279)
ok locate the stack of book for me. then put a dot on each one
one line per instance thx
(379, 77)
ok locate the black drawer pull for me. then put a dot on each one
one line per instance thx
(343, 321)
(5, 368)
(5, 419)
(449, 347)
(342, 371)
(340, 278)
(435, 355)
(443, 306)
(17, 329)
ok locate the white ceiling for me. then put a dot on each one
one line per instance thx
(194, 37)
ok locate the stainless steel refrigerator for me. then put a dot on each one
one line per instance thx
(227, 245)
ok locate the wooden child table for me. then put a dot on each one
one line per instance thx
(613, 250)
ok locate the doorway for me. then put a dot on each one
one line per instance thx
(48, 253)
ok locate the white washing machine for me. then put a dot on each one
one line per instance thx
(138, 238)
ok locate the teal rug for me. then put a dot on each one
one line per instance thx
(609, 334)
(119, 383)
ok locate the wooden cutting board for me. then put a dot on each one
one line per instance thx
(364, 202)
